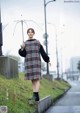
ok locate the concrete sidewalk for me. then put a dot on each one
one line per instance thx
(70, 103)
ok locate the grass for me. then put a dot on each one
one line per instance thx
(14, 93)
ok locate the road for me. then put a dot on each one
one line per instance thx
(70, 103)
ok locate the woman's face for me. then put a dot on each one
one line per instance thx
(30, 34)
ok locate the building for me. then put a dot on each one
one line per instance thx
(73, 72)
(74, 64)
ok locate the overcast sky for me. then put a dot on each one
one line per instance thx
(63, 19)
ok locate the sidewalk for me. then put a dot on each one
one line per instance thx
(70, 103)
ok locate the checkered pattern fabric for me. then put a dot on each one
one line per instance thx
(32, 60)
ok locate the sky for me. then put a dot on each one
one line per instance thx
(63, 21)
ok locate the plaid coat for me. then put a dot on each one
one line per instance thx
(32, 60)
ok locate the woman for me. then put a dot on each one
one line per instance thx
(31, 50)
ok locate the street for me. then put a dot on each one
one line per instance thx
(70, 103)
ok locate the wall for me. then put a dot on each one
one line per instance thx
(8, 67)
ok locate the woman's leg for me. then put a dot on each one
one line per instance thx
(36, 86)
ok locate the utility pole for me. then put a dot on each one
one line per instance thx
(46, 35)
(57, 57)
(1, 43)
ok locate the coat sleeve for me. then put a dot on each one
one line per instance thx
(44, 54)
(22, 53)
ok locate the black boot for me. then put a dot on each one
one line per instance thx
(36, 96)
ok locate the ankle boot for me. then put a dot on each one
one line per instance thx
(36, 96)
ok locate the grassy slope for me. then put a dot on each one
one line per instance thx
(15, 92)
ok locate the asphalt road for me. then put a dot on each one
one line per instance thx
(70, 103)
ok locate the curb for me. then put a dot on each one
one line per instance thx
(60, 96)
(44, 104)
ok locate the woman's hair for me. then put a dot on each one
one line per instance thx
(31, 30)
